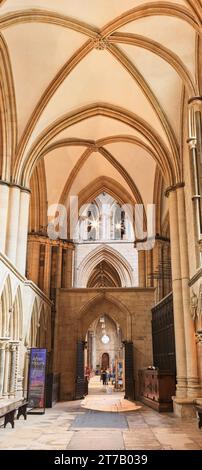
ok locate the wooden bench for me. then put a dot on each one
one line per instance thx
(8, 411)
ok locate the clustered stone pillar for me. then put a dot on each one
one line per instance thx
(6, 371)
(141, 268)
(8, 367)
(12, 385)
(2, 364)
(69, 268)
(47, 269)
(22, 231)
(62, 277)
(192, 373)
(177, 297)
(12, 223)
(4, 198)
(14, 213)
(186, 353)
(94, 361)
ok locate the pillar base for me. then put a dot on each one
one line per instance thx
(185, 407)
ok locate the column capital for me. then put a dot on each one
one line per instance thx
(174, 187)
(192, 143)
(10, 184)
(195, 100)
(14, 345)
(3, 342)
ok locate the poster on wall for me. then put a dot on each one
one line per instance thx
(37, 379)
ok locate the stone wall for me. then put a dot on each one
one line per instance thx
(76, 309)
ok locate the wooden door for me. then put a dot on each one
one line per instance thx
(105, 361)
(80, 381)
(129, 371)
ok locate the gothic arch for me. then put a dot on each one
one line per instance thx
(108, 254)
(38, 201)
(5, 307)
(16, 319)
(34, 325)
(8, 119)
(141, 11)
(170, 168)
(104, 274)
(105, 303)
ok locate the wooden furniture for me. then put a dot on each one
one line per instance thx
(199, 416)
(8, 411)
(163, 335)
(156, 389)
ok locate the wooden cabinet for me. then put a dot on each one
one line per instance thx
(156, 389)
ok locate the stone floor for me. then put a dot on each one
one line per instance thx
(77, 426)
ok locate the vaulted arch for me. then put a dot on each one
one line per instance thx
(104, 275)
(110, 255)
(107, 303)
(25, 165)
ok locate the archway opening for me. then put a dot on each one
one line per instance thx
(104, 356)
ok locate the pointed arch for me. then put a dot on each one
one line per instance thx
(25, 165)
(5, 307)
(16, 320)
(107, 303)
(8, 117)
(108, 254)
(38, 201)
(34, 325)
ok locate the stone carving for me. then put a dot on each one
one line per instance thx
(200, 302)
(198, 336)
(194, 305)
(100, 43)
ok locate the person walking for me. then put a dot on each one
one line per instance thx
(104, 376)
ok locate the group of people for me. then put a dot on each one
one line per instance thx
(105, 376)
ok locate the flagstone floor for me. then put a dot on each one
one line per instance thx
(82, 425)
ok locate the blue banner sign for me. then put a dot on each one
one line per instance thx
(37, 378)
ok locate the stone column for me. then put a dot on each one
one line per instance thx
(59, 267)
(195, 146)
(69, 267)
(19, 369)
(33, 259)
(192, 374)
(94, 351)
(177, 297)
(22, 231)
(47, 269)
(3, 342)
(142, 268)
(12, 224)
(6, 370)
(26, 371)
(13, 349)
(4, 200)
(149, 260)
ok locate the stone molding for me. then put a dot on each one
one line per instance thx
(195, 277)
(173, 188)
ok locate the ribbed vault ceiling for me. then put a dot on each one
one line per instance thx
(99, 74)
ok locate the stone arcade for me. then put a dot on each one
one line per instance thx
(100, 115)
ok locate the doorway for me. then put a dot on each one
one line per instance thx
(105, 361)
(104, 351)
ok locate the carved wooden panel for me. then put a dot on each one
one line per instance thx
(163, 335)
